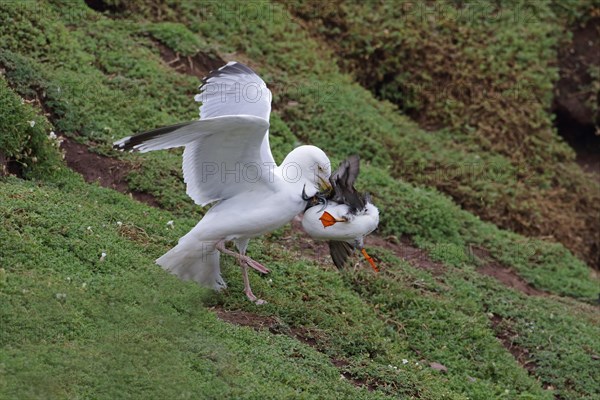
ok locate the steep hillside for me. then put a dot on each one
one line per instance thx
(463, 308)
(485, 72)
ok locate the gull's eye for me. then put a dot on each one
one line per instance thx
(320, 169)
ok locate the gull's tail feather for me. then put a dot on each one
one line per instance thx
(196, 261)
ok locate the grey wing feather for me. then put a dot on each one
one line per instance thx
(340, 251)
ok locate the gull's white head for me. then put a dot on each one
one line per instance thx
(307, 165)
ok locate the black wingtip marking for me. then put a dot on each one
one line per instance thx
(236, 68)
(133, 141)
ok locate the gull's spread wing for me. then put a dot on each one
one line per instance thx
(227, 151)
(235, 89)
(222, 155)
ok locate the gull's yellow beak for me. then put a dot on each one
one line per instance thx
(324, 185)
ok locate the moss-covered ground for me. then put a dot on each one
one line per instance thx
(75, 323)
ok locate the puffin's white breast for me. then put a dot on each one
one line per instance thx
(359, 225)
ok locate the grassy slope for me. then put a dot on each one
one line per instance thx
(121, 328)
(402, 314)
(483, 71)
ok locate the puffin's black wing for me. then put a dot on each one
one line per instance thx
(348, 171)
(342, 181)
(340, 251)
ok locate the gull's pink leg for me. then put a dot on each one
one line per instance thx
(247, 288)
(244, 261)
(243, 258)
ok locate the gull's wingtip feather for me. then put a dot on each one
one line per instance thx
(120, 144)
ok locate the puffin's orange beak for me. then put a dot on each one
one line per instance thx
(370, 260)
(328, 219)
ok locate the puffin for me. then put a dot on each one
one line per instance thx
(342, 216)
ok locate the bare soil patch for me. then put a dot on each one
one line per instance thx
(107, 172)
(198, 65)
(304, 335)
(245, 318)
(509, 278)
(504, 274)
(270, 323)
(359, 382)
(507, 338)
(406, 249)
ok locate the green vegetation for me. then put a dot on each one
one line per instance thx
(176, 37)
(117, 326)
(485, 72)
(27, 138)
(120, 327)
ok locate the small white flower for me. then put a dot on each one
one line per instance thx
(69, 279)
(52, 135)
(31, 123)
(83, 285)
(89, 228)
(416, 363)
(61, 296)
(404, 361)
(170, 224)
(270, 280)
(119, 224)
(102, 256)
